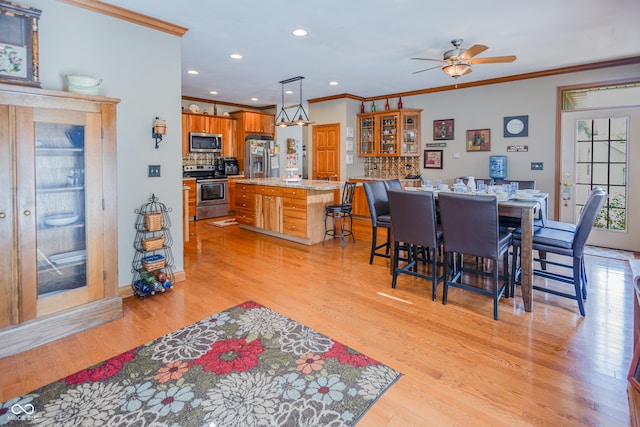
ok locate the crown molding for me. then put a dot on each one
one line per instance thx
(128, 15)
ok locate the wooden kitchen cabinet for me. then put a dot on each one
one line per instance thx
(58, 216)
(294, 212)
(191, 206)
(245, 201)
(360, 207)
(203, 123)
(251, 123)
(389, 133)
(269, 208)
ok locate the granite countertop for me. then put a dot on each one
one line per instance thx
(378, 178)
(307, 184)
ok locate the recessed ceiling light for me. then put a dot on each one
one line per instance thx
(213, 92)
(254, 99)
(236, 56)
(299, 32)
(288, 92)
(192, 72)
(333, 83)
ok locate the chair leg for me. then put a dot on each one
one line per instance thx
(434, 273)
(543, 256)
(388, 248)
(351, 228)
(514, 271)
(395, 265)
(373, 244)
(448, 258)
(496, 285)
(577, 282)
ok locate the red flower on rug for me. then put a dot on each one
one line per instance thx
(102, 371)
(250, 304)
(231, 355)
(347, 356)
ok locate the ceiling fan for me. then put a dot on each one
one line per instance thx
(457, 61)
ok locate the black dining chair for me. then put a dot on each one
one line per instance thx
(470, 227)
(564, 242)
(513, 222)
(339, 214)
(378, 202)
(413, 217)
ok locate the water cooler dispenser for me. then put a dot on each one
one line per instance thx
(498, 167)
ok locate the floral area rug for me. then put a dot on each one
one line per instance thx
(246, 366)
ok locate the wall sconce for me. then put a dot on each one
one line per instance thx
(159, 129)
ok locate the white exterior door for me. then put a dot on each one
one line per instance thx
(601, 148)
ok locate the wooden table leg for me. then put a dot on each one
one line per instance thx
(526, 257)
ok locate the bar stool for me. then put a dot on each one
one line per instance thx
(339, 215)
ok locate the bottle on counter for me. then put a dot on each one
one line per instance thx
(373, 106)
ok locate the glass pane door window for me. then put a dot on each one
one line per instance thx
(366, 134)
(60, 207)
(410, 134)
(601, 161)
(388, 134)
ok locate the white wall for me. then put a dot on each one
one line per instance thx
(141, 67)
(484, 107)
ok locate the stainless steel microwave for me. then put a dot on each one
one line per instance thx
(205, 142)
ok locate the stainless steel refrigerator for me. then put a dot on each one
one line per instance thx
(261, 157)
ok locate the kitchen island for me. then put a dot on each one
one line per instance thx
(288, 210)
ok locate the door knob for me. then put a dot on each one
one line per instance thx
(27, 212)
(3, 215)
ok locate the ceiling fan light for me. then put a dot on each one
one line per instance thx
(456, 70)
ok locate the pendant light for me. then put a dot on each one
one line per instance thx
(282, 115)
(303, 119)
(300, 117)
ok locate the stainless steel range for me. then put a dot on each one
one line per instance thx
(212, 199)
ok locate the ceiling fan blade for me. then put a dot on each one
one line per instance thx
(429, 59)
(473, 51)
(427, 69)
(494, 59)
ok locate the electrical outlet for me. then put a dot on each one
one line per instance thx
(154, 171)
(536, 166)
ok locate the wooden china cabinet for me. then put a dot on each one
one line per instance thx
(389, 133)
(58, 215)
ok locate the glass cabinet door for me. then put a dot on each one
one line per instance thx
(60, 207)
(410, 134)
(366, 135)
(388, 134)
(65, 151)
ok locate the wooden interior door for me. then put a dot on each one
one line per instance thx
(326, 152)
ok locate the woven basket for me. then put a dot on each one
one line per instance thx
(154, 262)
(152, 243)
(153, 222)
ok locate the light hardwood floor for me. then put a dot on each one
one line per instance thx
(550, 367)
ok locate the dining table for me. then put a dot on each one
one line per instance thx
(526, 209)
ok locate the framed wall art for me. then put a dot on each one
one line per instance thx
(442, 130)
(479, 140)
(516, 126)
(19, 44)
(433, 159)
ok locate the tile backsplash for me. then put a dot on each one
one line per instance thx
(198, 159)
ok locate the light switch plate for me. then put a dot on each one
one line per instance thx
(154, 171)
